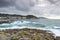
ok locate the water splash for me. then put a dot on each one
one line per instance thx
(32, 25)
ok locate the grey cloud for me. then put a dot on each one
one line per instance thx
(6, 3)
(25, 5)
(53, 1)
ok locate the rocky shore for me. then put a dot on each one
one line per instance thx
(27, 34)
(1, 22)
(7, 18)
(57, 38)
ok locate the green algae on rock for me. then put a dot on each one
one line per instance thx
(26, 34)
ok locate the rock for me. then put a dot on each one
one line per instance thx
(3, 37)
(57, 38)
(1, 22)
(26, 34)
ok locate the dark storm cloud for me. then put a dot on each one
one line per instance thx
(22, 5)
(35, 7)
(5, 3)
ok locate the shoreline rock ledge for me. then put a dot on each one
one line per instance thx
(26, 34)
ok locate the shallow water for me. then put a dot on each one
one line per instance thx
(45, 24)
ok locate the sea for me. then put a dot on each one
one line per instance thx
(52, 25)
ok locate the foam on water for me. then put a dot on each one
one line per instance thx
(30, 24)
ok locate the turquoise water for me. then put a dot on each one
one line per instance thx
(45, 24)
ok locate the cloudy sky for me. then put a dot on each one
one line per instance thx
(45, 8)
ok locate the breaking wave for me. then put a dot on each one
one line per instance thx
(30, 24)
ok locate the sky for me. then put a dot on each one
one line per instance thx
(40, 8)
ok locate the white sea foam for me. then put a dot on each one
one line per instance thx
(15, 25)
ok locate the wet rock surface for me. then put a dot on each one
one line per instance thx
(25, 34)
(1, 22)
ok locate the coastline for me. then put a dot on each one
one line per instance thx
(16, 28)
(35, 30)
(25, 32)
(49, 30)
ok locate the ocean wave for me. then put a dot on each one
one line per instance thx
(30, 24)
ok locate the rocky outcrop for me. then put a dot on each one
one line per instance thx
(57, 38)
(1, 22)
(25, 34)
